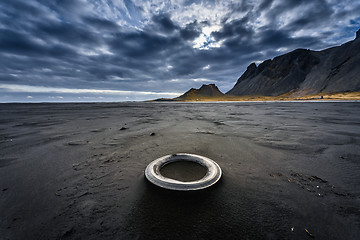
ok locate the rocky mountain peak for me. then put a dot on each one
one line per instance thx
(303, 71)
(209, 90)
(206, 90)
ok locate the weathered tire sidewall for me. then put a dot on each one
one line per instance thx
(153, 175)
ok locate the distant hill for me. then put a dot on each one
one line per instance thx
(304, 72)
(205, 91)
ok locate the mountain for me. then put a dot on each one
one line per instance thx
(333, 73)
(304, 72)
(205, 91)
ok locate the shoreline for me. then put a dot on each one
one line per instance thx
(344, 96)
(190, 101)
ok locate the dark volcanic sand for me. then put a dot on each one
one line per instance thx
(76, 171)
(183, 171)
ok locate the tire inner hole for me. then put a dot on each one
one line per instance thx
(185, 171)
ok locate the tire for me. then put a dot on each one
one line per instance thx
(152, 172)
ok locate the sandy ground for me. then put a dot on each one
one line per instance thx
(76, 171)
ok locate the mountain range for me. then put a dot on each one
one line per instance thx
(299, 73)
(304, 72)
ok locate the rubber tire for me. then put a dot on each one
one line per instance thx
(152, 172)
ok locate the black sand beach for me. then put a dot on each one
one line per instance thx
(76, 171)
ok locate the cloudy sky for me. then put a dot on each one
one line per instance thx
(118, 50)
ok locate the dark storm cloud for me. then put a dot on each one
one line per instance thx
(319, 13)
(265, 4)
(15, 42)
(235, 28)
(142, 44)
(19, 43)
(308, 11)
(272, 38)
(9, 7)
(282, 7)
(66, 33)
(242, 6)
(98, 44)
(164, 23)
(100, 23)
(191, 31)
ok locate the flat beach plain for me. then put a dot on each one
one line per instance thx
(76, 171)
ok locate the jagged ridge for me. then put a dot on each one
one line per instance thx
(304, 72)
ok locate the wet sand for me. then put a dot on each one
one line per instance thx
(76, 171)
